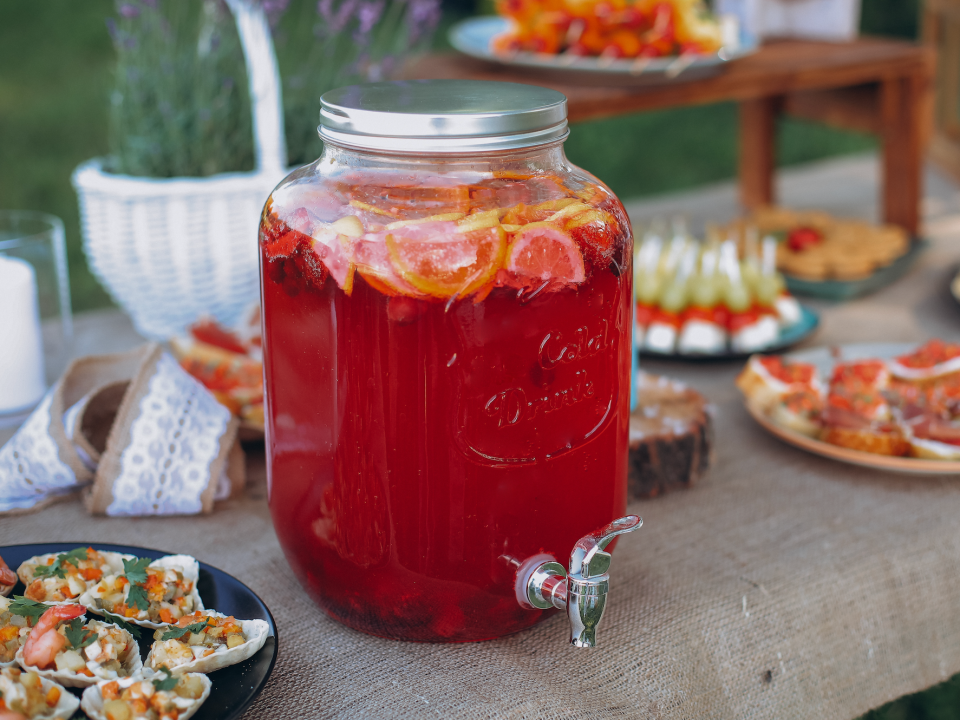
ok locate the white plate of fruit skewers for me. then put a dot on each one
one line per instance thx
(708, 300)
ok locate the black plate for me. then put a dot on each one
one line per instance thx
(235, 687)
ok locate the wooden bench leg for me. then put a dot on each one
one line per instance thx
(757, 151)
(905, 110)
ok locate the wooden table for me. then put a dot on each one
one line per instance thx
(874, 85)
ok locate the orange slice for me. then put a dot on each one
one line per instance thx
(479, 220)
(373, 264)
(441, 260)
(543, 251)
(372, 209)
(592, 194)
(567, 212)
(522, 214)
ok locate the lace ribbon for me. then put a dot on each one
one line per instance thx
(173, 442)
(31, 471)
(166, 453)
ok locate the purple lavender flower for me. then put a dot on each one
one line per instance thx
(129, 11)
(325, 9)
(423, 17)
(336, 20)
(274, 9)
(368, 14)
(275, 6)
(112, 29)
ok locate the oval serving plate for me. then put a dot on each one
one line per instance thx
(473, 36)
(809, 321)
(824, 358)
(235, 687)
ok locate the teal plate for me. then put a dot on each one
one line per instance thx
(849, 289)
(808, 323)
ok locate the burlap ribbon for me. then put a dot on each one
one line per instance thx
(134, 432)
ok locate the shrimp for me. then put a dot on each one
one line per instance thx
(8, 578)
(11, 715)
(44, 642)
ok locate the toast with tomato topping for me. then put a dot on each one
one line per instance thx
(857, 414)
(790, 393)
(768, 379)
(932, 361)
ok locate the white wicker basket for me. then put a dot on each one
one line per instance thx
(171, 250)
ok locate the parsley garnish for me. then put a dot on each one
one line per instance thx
(178, 632)
(123, 624)
(168, 683)
(136, 570)
(24, 607)
(78, 636)
(137, 598)
(56, 568)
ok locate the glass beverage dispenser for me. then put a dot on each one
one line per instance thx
(447, 322)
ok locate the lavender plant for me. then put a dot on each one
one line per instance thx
(180, 105)
(341, 42)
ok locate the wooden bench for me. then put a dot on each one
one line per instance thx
(874, 85)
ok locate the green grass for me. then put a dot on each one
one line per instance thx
(55, 63)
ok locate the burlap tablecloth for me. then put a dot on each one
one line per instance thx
(784, 586)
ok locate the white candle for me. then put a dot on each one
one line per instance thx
(21, 345)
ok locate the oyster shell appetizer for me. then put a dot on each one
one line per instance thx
(60, 578)
(63, 648)
(27, 695)
(16, 618)
(154, 695)
(147, 592)
(8, 578)
(206, 641)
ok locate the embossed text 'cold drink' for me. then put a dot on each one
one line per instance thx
(446, 343)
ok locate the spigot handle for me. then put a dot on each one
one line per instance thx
(588, 559)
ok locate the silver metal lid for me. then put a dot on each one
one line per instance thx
(442, 116)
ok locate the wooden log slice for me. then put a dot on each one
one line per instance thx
(671, 437)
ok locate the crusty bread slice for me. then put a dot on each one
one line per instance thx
(764, 391)
(795, 421)
(871, 440)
